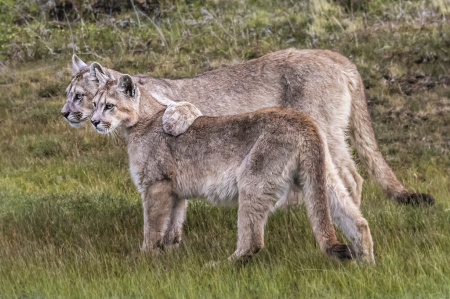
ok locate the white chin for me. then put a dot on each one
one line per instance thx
(76, 124)
(101, 131)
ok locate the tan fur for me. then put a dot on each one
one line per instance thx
(320, 83)
(251, 159)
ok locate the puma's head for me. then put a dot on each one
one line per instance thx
(120, 103)
(81, 90)
(116, 104)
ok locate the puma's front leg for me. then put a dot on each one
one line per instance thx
(174, 231)
(157, 203)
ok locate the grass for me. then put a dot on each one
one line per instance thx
(71, 220)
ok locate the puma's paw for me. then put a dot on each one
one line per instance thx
(178, 117)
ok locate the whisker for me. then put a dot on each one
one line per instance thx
(108, 132)
(110, 135)
(116, 136)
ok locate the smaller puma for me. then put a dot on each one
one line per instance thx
(251, 160)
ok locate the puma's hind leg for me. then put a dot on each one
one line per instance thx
(252, 217)
(261, 183)
(321, 183)
(342, 160)
(352, 181)
(318, 211)
(346, 214)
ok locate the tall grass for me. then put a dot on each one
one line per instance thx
(71, 220)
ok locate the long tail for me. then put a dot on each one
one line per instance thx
(363, 139)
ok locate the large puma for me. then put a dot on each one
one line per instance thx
(320, 83)
(251, 159)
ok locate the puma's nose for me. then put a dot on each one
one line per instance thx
(95, 122)
(65, 114)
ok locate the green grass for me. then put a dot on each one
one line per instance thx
(71, 219)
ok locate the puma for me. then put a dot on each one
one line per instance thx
(252, 160)
(322, 84)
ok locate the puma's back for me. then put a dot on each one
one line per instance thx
(306, 80)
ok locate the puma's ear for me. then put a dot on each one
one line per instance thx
(101, 77)
(127, 85)
(178, 117)
(96, 67)
(78, 64)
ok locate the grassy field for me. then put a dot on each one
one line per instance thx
(71, 220)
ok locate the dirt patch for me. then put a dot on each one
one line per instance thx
(412, 84)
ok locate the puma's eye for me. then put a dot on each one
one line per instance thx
(95, 105)
(109, 106)
(78, 96)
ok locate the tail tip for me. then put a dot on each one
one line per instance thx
(341, 252)
(417, 199)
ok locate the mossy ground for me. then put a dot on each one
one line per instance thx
(71, 220)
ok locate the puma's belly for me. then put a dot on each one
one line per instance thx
(218, 186)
